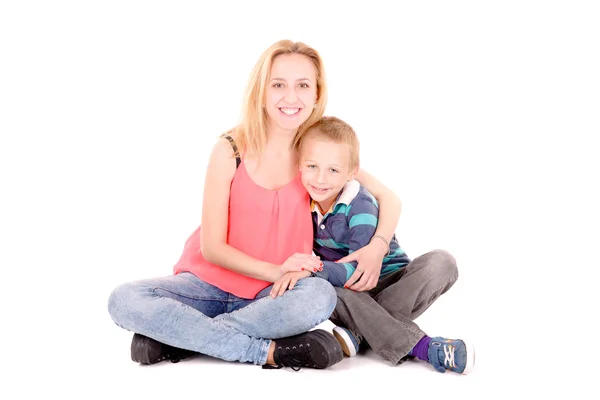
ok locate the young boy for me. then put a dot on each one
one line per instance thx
(345, 217)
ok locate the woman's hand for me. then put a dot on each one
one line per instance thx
(287, 282)
(370, 260)
(301, 262)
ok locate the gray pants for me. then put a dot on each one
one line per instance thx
(384, 315)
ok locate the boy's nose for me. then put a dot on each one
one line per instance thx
(321, 177)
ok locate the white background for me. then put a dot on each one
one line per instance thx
(479, 115)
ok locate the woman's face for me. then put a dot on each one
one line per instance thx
(291, 92)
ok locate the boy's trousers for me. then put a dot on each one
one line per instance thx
(384, 315)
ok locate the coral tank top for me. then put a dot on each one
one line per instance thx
(269, 225)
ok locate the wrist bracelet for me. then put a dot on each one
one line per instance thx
(384, 241)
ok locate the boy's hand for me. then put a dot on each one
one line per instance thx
(370, 260)
(287, 281)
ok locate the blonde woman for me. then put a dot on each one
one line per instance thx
(256, 230)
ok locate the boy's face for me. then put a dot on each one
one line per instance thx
(325, 168)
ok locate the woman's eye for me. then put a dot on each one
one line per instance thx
(278, 85)
(303, 85)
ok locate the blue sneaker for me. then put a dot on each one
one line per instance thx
(452, 354)
(350, 341)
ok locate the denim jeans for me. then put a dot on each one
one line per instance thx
(384, 315)
(186, 312)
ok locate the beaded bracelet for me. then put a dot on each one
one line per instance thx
(384, 241)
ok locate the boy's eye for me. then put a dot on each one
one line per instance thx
(335, 171)
(311, 166)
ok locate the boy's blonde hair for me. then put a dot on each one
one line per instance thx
(335, 130)
(251, 133)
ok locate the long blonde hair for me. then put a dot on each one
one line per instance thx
(251, 133)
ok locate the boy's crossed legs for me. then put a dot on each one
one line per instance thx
(384, 315)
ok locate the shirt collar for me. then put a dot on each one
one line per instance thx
(348, 193)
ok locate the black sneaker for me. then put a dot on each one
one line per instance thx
(145, 350)
(315, 349)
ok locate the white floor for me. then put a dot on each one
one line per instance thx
(73, 350)
(366, 374)
(95, 364)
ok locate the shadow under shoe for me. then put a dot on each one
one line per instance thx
(145, 350)
(315, 349)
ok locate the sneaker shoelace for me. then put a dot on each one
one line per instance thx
(295, 357)
(449, 356)
(359, 337)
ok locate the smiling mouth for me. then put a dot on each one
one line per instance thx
(289, 111)
(317, 190)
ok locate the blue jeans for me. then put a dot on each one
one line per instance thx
(186, 312)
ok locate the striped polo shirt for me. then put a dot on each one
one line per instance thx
(347, 226)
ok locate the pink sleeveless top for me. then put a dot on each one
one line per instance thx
(269, 225)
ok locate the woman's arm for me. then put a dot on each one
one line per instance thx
(215, 210)
(390, 205)
(215, 219)
(370, 257)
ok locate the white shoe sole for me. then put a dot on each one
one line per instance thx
(345, 341)
(470, 358)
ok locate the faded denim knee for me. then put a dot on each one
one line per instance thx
(119, 302)
(320, 298)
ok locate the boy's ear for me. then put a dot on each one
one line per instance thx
(353, 174)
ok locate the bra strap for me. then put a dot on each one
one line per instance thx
(235, 150)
